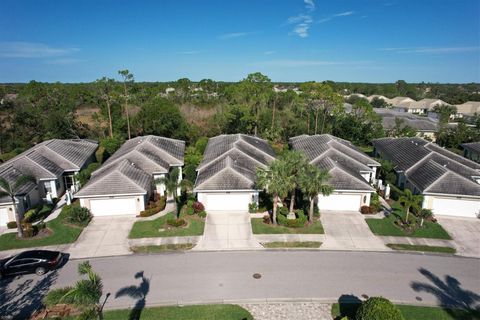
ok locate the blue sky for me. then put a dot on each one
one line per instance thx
(288, 40)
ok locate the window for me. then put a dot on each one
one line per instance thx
(364, 199)
(48, 187)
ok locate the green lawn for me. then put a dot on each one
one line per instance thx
(200, 312)
(413, 312)
(147, 229)
(293, 244)
(258, 227)
(162, 248)
(410, 247)
(387, 227)
(63, 232)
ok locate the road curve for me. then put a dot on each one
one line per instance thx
(194, 277)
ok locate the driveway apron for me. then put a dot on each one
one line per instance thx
(465, 233)
(227, 231)
(104, 236)
(347, 230)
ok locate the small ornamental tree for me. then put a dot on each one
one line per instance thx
(378, 308)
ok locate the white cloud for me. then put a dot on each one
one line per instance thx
(269, 52)
(32, 50)
(309, 5)
(233, 35)
(433, 50)
(336, 15)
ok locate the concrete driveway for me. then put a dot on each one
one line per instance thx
(104, 236)
(347, 230)
(227, 231)
(465, 233)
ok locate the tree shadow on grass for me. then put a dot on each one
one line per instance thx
(138, 292)
(459, 303)
(348, 305)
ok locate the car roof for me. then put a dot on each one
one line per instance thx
(39, 254)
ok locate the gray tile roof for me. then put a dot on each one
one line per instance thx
(130, 170)
(121, 179)
(51, 158)
(474, 146)
(11, 175)
(429, 167)
(340, 157)
(416, 122)
(230, 162)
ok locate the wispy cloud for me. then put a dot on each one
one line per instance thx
(303, 20)
(63, 61)
(232, 35)
(32, 50)
(432, 50)
(337, 15)
(269, 52)
(297, 63)
(189, 52)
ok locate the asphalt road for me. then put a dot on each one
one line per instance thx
(216, 276)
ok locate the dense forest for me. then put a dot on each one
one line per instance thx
(111, 110)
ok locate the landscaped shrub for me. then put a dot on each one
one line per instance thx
(85, 174)
(28, 216)
(365, 210)
(202, 214)
(190, 211)
(375, 204)
(378, 308)
(252, 207)
(176, 222)
(38, 213)
(154, 207)
(29, 230)
(395, 193)
(266, 219)
(79, 215)
(55, 296)
(190, 203)
(11, 224)
(198, 207)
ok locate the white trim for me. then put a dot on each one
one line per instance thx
(110, 195)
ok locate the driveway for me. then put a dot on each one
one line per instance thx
(227, 231)
(347, 230)
(465, 233)
(104, 236)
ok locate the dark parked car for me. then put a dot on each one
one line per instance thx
(33, 261)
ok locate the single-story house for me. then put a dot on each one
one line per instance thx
(472, 151)
(125, 182)
(425, 126)
(468, 108)
(352, 172)
(400, 101)
(54, 165)
(449, 183)
(226, 177)
(373, 96)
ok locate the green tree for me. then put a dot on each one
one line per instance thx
(127, 77)
(105, 87)
(294, 162)
(313, 182)
(410, 200)
(161, 117)
(173, 183)
(378, 308)
(272, 179)
(87, 292)
(378, 103)
(445, 111)
(10, 190)
(424, 214)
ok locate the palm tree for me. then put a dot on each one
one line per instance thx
(313, 182)
(272, 179)
(424, 214)
(10, 190)
(409, 200)
(87, 292)
(172, 184)
(294, 162)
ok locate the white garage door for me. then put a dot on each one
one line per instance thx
(227, 202)
(340, 202)
(3, 217)
(112, 207)
(456, 207)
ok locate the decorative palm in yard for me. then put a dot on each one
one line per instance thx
(313, 182)
(272, 179)
(10, 190)
(294, 163)
(410, 200)
(86, 293)
(172, 184)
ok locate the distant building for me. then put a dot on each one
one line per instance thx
(468, 108)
